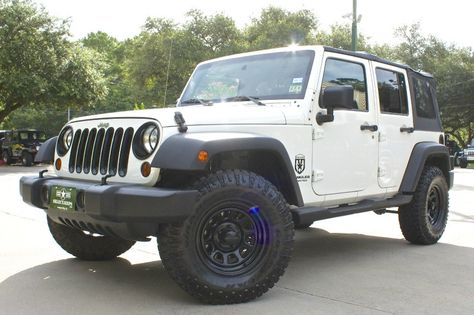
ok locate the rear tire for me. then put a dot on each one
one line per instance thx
(236, 245)
(87, 246)
(463, 163)
(424, 219)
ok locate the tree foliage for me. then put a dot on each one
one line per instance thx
(276, 27)
(44, 72)
(453, 69)
(39, 66)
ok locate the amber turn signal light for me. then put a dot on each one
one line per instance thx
(146, 169)
(203, 156)
(58, 164)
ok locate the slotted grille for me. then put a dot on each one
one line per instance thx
(101, 150)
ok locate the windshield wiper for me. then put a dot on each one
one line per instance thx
(196, 101)
(245, 98)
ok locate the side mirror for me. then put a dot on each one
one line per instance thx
(341, 96)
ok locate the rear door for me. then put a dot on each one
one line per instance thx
(395, 119)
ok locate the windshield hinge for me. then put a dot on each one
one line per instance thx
(179, 119)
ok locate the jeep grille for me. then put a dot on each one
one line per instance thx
(101, 150)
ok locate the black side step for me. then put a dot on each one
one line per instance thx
(305, 215)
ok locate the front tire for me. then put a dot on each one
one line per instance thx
(87, 246)
(6, 158)
(236, 245)
(424, 219)
(463, 163)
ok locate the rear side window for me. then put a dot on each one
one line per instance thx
(423, 98)
(341, 72)
(392, 92)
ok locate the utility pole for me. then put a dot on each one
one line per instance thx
(354, 25)
(168, 73)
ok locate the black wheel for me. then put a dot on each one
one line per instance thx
(236, 245)
(26, 159)
(463, 163)
(6, 157)
(424, 219)
(88, 246)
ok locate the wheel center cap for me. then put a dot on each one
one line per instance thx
(227, 236)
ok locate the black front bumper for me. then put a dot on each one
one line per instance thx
(124, 210)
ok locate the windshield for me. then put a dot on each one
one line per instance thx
(282, 75)
(32, 135)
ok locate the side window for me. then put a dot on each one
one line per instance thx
(423, 98)
(392, 92)
(340, 72)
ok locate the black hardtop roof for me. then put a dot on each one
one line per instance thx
(26, 130)
(365, 55)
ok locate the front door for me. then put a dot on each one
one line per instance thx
(345, 150)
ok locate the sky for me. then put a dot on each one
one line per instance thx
(451, 21)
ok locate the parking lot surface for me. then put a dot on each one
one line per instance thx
(358, 264)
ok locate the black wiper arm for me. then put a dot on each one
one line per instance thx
(245, 98)
(196, 101)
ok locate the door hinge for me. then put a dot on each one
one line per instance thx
(381, 172)
(317, 175)
(382, 137)
(318, 133)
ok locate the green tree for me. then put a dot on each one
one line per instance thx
(277, 27)
(339, 36)
(453, 70)
(114, 55)
(39, 66)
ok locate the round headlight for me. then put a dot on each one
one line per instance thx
(146, 140)
(65, 141)
(150, 138)
(67, 138)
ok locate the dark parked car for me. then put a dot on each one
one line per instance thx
(455, 151)
(467, 156)
(21, 145)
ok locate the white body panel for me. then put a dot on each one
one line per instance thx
(342, 164)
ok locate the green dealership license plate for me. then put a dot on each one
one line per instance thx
(63, 198)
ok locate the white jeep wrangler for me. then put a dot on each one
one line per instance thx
(259, 144)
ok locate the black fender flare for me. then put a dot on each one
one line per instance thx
(421, 153)
(46, 151)
(179, 152)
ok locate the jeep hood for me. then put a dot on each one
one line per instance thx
(218, 114)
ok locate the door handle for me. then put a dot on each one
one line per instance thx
(368, 127)
(407, 129)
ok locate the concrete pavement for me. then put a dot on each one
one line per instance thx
(352, 265)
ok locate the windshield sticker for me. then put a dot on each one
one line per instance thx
(297, 80)
(295, 88)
